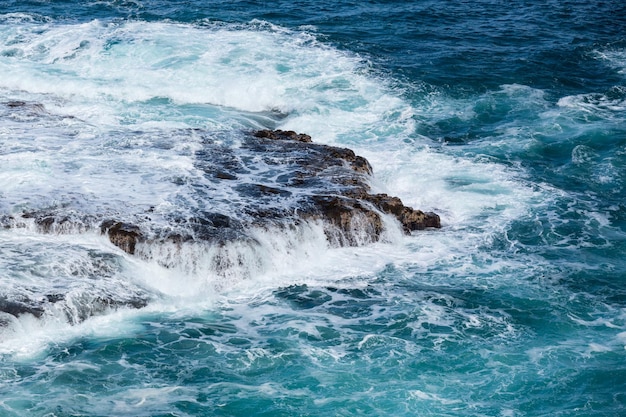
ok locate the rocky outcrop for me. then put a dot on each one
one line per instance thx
(339, 192)
(409, 218)
(300, 180)
(75, 311)
(268, 180)
(282, 135)
(308, 181)
(123, 235)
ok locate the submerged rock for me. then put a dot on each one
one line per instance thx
(17, 308)
(75, 311)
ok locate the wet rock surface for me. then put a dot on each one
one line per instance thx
(75, 311)
(123, 235)
(277, 178)
(274, 178)
(283, 135)
(269, 179)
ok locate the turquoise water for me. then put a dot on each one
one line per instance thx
(507, 119)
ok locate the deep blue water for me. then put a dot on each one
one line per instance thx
(506, 118)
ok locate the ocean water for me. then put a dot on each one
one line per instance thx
(508, 119)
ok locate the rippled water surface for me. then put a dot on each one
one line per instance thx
(507, 119)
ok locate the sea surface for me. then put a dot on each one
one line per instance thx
(507, 118)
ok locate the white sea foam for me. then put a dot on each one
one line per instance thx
(27, 338)
(595, 105)
(621, 338)
(255, 69)
(615, 58)
(113, 137)
(425, 396)
(101, 71)
(203, 270)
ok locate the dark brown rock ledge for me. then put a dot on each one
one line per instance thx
(273, 179)
(311, 182)
(269, 180)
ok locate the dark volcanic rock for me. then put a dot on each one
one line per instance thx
(123, 235)
(355, 221)
(18, 308)
(410, 218)
(357, 163)
(57, 220)
(26, 111)
(18, 104)
(336, 180)
(76, 311)
(283, 135)
(210, 215)
(274, 178)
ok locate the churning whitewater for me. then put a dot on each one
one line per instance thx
(161, 257)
